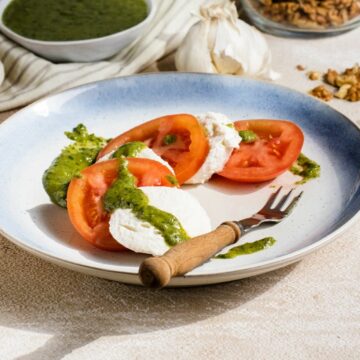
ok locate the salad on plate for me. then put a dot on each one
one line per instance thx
(129, 192)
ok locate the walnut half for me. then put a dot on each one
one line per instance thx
(322, 93)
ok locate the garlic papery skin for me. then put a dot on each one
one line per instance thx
(221, 43)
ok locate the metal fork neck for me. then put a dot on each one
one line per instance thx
(248, 224)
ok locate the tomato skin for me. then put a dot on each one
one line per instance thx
(185, 155)
(277, 148)
(84, 197)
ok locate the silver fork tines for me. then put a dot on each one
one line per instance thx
(270, 213)
(272, 200)
(291, 206)
(283, 200)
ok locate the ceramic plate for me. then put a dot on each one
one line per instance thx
(33, 137)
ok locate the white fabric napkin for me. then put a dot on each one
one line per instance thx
(29, 77)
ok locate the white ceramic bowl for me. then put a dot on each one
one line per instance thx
(79, 50)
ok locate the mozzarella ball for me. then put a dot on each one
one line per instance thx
(142, 237)
(223, 139)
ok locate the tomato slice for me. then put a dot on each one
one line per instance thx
(179, 139)
(84, 197)
(276, 148)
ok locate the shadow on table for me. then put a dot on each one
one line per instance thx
(78, 309)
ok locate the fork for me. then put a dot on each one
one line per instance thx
(156, 272)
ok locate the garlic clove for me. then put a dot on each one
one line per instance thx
(228, 52)
(193, 55)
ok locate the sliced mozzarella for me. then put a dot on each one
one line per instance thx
(107, 156)
(145, 153)
(141, 236)
(222, 140)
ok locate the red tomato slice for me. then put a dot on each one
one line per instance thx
(185, 152)
(84, 197)
(278, 146)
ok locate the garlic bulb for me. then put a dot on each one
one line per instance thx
(221, 43)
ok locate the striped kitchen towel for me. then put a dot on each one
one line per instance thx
(29, 77)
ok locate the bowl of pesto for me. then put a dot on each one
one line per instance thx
(75, 30)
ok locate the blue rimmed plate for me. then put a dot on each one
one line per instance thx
(33, 137)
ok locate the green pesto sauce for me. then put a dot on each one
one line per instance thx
(70, 162)
(306, 168)
(247, 136)
(124, 194)
(130, 149)
(169, 139)
(248, 248)
(66, 20)
(172, 179)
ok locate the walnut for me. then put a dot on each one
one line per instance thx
(314, 75)
(310, 14)
(322, 93)
(346, 79)
(353, 93)
(347, 83)
(343, 91)
(330, 77)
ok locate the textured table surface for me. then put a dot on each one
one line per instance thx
(310, 310)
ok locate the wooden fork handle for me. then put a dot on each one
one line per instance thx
(156, 272)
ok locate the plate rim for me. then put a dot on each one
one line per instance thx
(180, 74)
(258, 267)
(263, 265)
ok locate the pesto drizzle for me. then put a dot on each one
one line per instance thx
(172, 179)
(247, 136)
(124, 194)
(169, 139)
(70, 162)
(130, 149)
(248, 248)
(306, 168)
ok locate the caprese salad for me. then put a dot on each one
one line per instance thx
(128, 192)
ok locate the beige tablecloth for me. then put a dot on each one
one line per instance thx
(310, 310)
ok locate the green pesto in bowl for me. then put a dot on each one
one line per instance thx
(71, 20)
